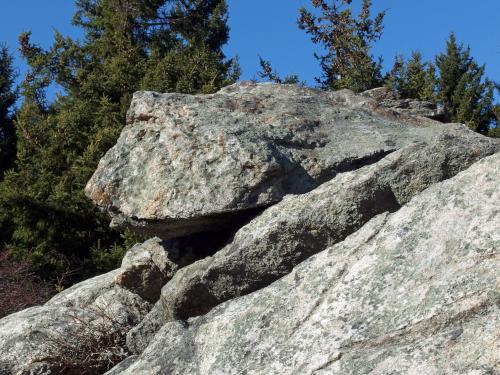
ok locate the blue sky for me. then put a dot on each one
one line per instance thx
(268, 28)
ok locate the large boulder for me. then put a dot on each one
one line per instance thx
(413, 292)
(194, 163)
(287, 233)
(147, 266)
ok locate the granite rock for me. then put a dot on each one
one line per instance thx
(192, 163)
(289, 232)
(411, 292)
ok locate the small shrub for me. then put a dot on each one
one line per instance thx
(93, 345)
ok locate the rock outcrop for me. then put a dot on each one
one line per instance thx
(208, 160)
(284, 235)
(298, 232)
(391, 100)
(28, 339)
(412, 292)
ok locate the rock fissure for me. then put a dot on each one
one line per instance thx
(269, 246)
(350, 165)
(430, 326)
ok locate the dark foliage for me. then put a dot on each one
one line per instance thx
(347, 40)
(8, 97)
(173, 45)
(413, 79)
(455, 80)
(465, 93)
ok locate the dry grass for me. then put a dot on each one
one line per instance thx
(94, 341)
(20, 288)
(92, 345)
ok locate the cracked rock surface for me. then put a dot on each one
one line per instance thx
(415, 291)
(289, 232)
(206, 159)
(391, 100)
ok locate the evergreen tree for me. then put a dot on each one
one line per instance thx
(190, 59)
(394, 80)
(467, 96)
(428, 90)
(347, 41)
(8, 97)
(415, 79)
(494, 131)
(267, 72)
(420, 78)
(173, 45)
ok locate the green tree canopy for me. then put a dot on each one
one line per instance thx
(347, 40)
(8, 97)
(413, 79)
(466, 94)
(164, 45)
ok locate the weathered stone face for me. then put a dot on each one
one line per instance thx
(411, 292)
(413, 107)
(186, 164)
(145, 269)
(284, 235)
(147, 266)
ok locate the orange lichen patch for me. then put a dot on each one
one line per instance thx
(153, 207)
(98, 196)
